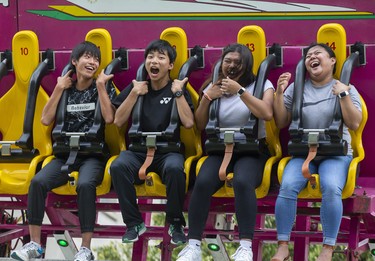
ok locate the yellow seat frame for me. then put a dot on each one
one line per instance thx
(15, 177)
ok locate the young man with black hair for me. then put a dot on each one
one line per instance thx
(83, 90)
(158, 93)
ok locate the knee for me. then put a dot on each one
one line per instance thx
(85, 187)
(330, 190)
(115, 168)
(244, 182)
(37, 182)
(200, 184)
(174, 171)
(288, 190)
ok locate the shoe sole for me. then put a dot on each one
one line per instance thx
(140, 233)
(92, 257)
(16, 257)
(178, 243)
(173, 242)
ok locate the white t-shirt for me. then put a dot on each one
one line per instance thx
(233, 113)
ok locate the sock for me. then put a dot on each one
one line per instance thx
(195, 243)
(245, 244)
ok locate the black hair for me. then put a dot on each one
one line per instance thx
(83, 48)
(246, 56)
(328, 49)
(163, 47)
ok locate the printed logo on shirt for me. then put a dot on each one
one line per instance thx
(165, 100)
(80, 107)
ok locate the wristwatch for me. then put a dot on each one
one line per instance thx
(343, 94)
(241, 91)
(178, 94)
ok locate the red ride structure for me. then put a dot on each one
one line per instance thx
(36, 40)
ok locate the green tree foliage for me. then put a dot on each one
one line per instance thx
(123, 252)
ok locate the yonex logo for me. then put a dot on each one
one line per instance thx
(165, 100)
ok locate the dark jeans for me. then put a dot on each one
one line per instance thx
(248, 174)
(91, 171)
(170, 167)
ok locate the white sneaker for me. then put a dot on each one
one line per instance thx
(84, 254)
(190, 253)
(243, 254)
(29, 251)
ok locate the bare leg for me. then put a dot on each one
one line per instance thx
(326, 254)
(35, 233)
(282, 253)
(86, 239)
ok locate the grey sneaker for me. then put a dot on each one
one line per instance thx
(177, 234)
(243, 254)
(84, 254)
(132, 233)
(190, 253)
(27, 252)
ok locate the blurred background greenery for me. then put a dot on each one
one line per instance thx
(123, 252)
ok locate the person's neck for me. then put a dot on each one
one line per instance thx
(159, 84)
(83, 83)
(321, 82)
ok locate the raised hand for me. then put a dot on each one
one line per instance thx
(103, 78)
(65, 82)
(283, 82)
(140, 87)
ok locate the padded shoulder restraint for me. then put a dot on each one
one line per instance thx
(25, 143)
(299, 143)
(3, 68)
(305, 142)
(252, 145)
(151, 143)
(93, 144)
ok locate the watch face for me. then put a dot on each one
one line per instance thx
(343, 94)
(240, 91)
(178, 94)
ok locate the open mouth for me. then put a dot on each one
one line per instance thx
(314, 64)
(154, 70)
(90, 68)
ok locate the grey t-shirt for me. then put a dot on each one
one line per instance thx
(318, 106)
(233, 113)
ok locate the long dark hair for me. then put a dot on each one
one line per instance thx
(247, 76)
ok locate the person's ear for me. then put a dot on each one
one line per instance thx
(74, 62)
(171, 65)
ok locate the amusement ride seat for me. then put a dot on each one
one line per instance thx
(91, 144)
(26, 142)
(303, 140)
(190, 138)
(251, 146)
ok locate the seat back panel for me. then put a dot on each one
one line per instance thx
(254, 38)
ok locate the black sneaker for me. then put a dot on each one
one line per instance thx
(132, 233)
(177, 234)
